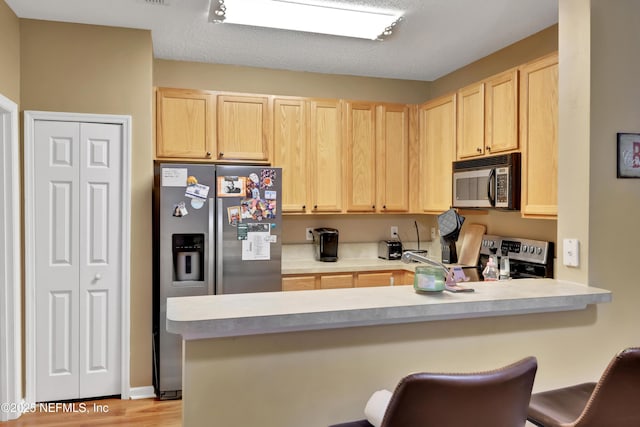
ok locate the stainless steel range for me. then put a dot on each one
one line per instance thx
(527, 258)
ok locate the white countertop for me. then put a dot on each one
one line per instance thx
(343, 265)
(214, 316)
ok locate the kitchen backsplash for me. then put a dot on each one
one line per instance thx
(369, 250)
(373, 228)
(358, 228)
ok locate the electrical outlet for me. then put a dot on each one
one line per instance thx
(309, 231)
(394, 231)
(571, 252)
(433, 233)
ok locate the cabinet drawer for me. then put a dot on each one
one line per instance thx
(336, 281)
(304, 283)
(374, 279)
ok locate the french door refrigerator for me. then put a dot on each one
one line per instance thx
(216, 231)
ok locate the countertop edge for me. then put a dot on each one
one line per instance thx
(573, 297)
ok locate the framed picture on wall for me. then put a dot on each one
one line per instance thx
(628, 156)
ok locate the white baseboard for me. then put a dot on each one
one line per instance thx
(142, 393)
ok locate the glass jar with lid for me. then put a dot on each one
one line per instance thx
(428, 279)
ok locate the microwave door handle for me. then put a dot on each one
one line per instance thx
(491, 186)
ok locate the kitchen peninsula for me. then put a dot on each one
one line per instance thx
(314, 357)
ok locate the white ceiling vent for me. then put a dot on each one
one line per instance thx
(157, 2)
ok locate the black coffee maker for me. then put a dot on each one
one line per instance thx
(449, 224)
(325, 241)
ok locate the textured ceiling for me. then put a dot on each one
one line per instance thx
(435, 38)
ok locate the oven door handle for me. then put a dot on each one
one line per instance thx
(491, 185)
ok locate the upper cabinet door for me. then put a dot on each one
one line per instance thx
(501, 113)
(471, 121)
(326, 155)
(437, 142)
(244, 128)
(392, 122)
(185, 127)
(360, 141)
(291, 142)
(488, 116)
(539, 137)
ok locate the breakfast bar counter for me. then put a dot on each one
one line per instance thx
(313, 358)
(214, 316)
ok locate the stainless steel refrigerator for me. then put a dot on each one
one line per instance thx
(216, 231)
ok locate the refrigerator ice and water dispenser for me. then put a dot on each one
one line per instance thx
(188, 256)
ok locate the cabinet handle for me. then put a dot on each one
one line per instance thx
(479, 150)
(373, 207)
(315, 206)
(384, 206)
(221, 154)
(208, 153)
(488, 148)
(304, 206)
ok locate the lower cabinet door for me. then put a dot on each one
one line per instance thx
(374, 279)
(299, 283)
(335, 281)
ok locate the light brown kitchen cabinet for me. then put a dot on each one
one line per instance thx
(335, 281)
(185, 125)
(470, 121)
(291, 152)
(539, 137)
(380, 278)
(501, 113)
(373, 279)
(244, 128)
(488, 116)
(326, 151)
(393, 145)
(437, 145)
(299, 283)
(408, 278)
(360, 143)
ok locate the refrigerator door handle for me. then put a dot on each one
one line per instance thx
(219, 243)
(211, 249)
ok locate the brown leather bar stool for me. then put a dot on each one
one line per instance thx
(614, 401)
(497, 398)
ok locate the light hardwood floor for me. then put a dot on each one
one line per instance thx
(105, 412)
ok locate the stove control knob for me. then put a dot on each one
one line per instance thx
(539, 251)
(524, 248)
(531, 249)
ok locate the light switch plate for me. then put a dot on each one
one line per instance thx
(571, 252)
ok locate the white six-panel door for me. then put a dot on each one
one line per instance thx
(77, 189)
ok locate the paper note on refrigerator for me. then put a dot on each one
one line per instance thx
(257, 246)
(174, 177)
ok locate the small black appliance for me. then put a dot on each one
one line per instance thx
(449, 224)
(390, 249)
(325, 241)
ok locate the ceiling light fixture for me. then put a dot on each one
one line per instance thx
(307, 17)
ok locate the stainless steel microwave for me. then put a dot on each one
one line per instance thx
(487, 182)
